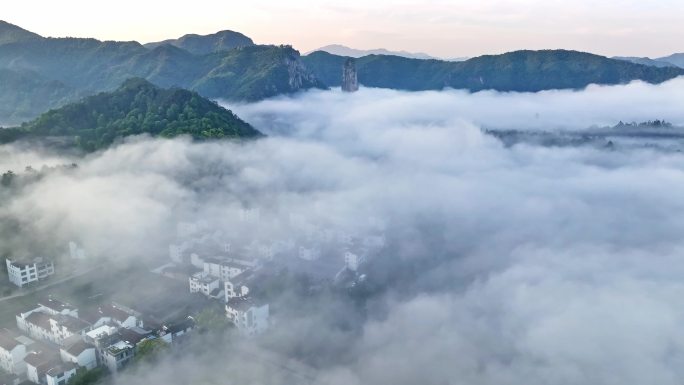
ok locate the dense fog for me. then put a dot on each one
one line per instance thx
(503, 265)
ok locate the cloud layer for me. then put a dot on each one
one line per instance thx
(521, 265)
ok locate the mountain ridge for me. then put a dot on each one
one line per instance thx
(205, 44)
(521, 71)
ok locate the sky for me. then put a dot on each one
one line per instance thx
(443, 28)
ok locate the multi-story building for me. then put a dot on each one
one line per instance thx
(22, 272)
(223, 268)
(238, 286)
(205, 284)
(249, 317)
(12, 353)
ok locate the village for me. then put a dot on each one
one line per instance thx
(54, 339)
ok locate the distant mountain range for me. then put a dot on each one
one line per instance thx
(676, 60)
(523, 71)
(341, 50)
(38, 73)
(136, 107)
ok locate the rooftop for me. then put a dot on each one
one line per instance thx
(204, 278)
(119, 346)
(37, 359)
(58, 370)
(115, 312)
(7, 340)
(55, 304)
(39, 319)
(104, 330)
(78, 348)
(241, 303)
(72, 324)
(22, 262)
(134, 335)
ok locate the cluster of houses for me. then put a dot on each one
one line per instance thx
(214, 267)
(54, 340)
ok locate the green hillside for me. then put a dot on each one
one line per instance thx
(136, 107)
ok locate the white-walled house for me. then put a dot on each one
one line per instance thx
(205, 284)
(76, 252)
(12, 353)
(80, 353)
(51, 325)
(248, 317)
(22, 272)
(45, 367)
(222, 268)
(117, 355)
(54, 306)
(112, 313)
(351, 261)
(238, 286)
(60, 374)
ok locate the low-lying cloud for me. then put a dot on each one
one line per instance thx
(520, 265)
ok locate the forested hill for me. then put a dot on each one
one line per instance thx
(206, 44)
(524, 71)
(137, 107)
(222, 65)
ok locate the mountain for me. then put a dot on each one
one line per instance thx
(88, 66)
(676, 59)
(523, 71)
(10, 33)
(645, 61)
(136, 107)
(206, 44)
(23, 92)
(341, 50)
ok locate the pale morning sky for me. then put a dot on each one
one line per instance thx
(445, 28)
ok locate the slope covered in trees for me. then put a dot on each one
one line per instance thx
(525, 71)
(88, 66)
(137, 107)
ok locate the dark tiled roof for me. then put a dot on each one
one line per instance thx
(71, 323)
(240, 303)
(215, 292)
(7, 340)
(37, 359)
(39, 319)
(58, 370)
(78, 348)
(114, 312)
(55, 304)
(132, 336)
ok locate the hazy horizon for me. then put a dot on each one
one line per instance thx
(439, 28)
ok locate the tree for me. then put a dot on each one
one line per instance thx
(150, 350)
(87, 377)
(212, 320)
(7, 178)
